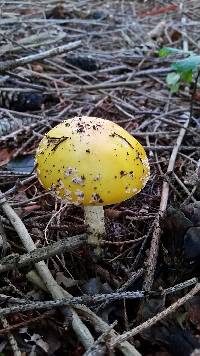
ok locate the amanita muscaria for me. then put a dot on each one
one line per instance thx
(91, 162)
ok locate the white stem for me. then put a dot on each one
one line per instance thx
(94, 218)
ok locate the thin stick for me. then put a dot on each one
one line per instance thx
(16, 261)
(99, 346)
(24, 305)
(153, 253)
(11, 338)
(57, 292)
(125, 347)
(152, 321)
(7, 65)
(124, 287)
(80, 329)
(10, 328)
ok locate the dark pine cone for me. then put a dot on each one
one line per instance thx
(20, 101)
(85, 63)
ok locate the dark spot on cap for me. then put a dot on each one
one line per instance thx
(122, 174)
(97, 197)
(88, 151)
(80, 128)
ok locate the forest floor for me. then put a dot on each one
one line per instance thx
(99, 58)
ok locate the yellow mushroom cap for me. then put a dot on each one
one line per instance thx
(91, 161)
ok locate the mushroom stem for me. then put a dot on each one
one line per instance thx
(94, 218)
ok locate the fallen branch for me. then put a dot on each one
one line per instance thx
(24, 323)
(32, 41)
(86, 299)
(152, 321)
(56, 291)
(7, 65)
(153, 253)
(101, 326)
(99, 346)
(124, 287)
(11, 338)
(17, 261)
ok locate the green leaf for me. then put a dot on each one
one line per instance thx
(173, 81)
(175, 88)
(185, 65)
(187, 76)
(163, 52)
(166, 51)
(173, 78)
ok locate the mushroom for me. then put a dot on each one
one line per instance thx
(91, 162)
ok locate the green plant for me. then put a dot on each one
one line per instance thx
(184, 70)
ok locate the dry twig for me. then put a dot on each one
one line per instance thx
(7, 65)
(80, 329)
(150, 322)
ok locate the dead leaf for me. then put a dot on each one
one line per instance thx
(40, 342)
(113, 213)
(192, 211)
(175, 35)
(30, 208)
(93, 286)
(58, 12)
(158, 30)
(192, 243)
(193, 311)
(5, 156)
(67, 282)
(174, 226)
(37, 68)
